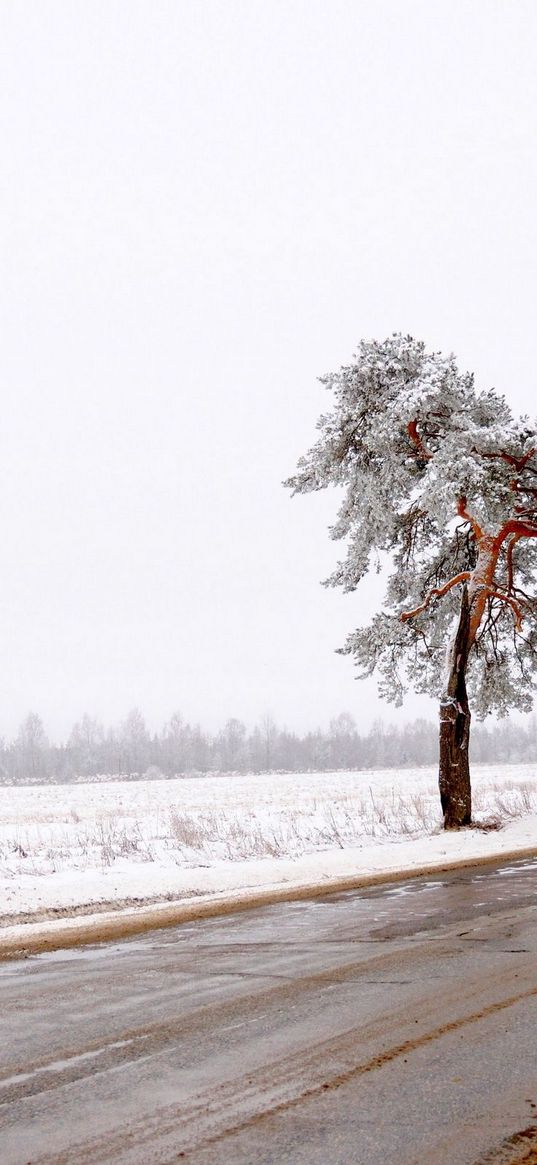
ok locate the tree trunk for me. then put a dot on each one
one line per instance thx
(454, 771)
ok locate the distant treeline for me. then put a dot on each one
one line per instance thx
(130, 750)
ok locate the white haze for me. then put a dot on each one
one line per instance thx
(204, 207)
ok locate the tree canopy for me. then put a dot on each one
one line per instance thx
(439, 491)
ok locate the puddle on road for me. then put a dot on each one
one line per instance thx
(392, 911)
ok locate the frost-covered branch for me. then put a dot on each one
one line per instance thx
(519, 463)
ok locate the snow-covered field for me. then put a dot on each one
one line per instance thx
(67, 846)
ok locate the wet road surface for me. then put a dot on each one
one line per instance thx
(394, 1025)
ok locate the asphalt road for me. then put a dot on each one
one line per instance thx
(394, 1025)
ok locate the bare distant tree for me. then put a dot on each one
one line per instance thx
(31, 745)
(134, 739)
(86, 742)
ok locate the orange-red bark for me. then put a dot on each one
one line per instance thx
(481, 580)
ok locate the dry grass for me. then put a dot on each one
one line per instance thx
(507, 799)
(199, 837)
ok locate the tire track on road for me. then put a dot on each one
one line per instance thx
(178, 1131)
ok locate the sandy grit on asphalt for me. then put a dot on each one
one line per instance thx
(116, 921)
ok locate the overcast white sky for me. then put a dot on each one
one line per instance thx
(205, 204)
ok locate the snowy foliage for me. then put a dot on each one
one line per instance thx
(439, 480)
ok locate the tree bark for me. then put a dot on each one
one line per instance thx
(454, 770)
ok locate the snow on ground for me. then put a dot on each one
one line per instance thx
(63, 847)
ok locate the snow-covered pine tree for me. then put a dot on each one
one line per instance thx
(439, 489)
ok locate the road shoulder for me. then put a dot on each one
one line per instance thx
(247, 885)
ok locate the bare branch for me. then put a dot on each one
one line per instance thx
(515, 607)
(514, 526)
(437, 592)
